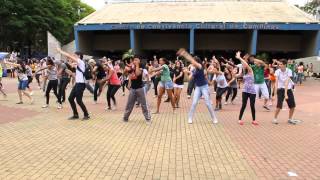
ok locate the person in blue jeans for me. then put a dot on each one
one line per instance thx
(201, 85)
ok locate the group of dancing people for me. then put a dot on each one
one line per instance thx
(136, 75)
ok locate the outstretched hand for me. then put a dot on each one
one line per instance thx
(181, 52)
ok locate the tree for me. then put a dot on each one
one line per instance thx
(24, 23)
(311, 7)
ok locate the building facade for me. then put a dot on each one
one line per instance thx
(271, 26)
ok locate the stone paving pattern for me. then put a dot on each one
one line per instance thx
(40, 143)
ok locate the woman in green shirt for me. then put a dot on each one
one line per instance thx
(165, 83)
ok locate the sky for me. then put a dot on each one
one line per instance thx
(98, 4)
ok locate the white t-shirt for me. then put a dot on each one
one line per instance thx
(282, 77)
(79, 75)
(145, 75)
(221, 81)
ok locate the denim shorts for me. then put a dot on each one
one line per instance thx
(166, 84)
(22, 84)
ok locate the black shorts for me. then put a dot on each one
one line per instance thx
(220, 92)
(30, 79)
(290, 101)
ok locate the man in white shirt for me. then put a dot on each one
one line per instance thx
(79, 87)
(284, 86)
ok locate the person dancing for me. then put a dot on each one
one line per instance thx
(79, 87)
(113, 86)
(52, 76)
(1, 86)
(249, 91)
(23, 80)
(136, 92)
(201, 85)
(178, 81)
(165, 83)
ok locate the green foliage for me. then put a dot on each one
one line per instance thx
(311, 7)
(128, 55)
(263, 56)
(25, 22)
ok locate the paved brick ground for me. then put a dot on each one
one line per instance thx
(41, 144)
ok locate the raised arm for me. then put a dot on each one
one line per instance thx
(182, 52)
(260, 62)
(41, 69)
(72, 58)
(243, 62)
(12, 64)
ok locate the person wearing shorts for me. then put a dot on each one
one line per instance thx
(259, 82)
(178, 80)
(23, 80)
(165, 83)
(284, 86)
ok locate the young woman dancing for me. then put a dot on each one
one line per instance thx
(113, 85)
(201, 85)
(23, 80)
(230, 75)
(52, 76)
(165, 83)
(99, 75)
(248, 92)
(178, 80)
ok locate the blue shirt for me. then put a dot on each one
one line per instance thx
(199, 77)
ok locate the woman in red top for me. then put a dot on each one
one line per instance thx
(113, 85)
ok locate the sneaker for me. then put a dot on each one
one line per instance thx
(85, 118)
(148, 122)
(266, 107)
(123, 94)
(73, 117)
(226, 103)
(274, 121)
(216, 109)
(107, 108)
(167, 100)
(290, 121)
(19, 102)
(125, 120)
(190, 121)
(241, 122)
(189, 96)
(215, 121)
(45, 106)
(255, 123)
(59, 106)
(31, 93)
(155, 96)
